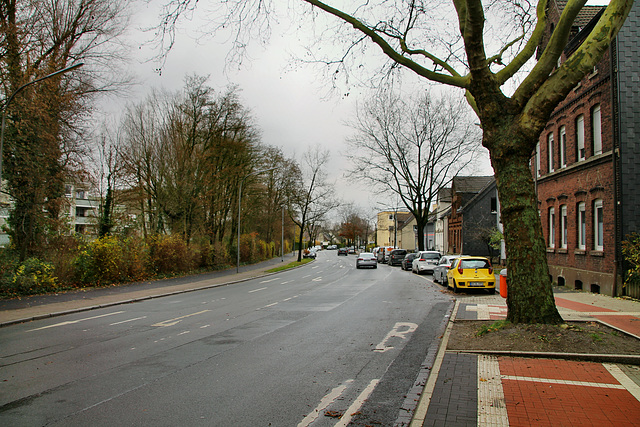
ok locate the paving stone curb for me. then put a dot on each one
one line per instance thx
(627, 359)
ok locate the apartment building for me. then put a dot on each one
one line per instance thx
(586, 163)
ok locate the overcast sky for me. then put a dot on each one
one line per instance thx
(289, 102)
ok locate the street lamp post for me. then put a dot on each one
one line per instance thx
(239, 206)
(6, 104)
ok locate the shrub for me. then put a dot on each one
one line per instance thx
(631, 254)
(169, 254)
(135, 259)
(101, 262)
(33, 277)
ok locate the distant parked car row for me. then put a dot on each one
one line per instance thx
(457, 272)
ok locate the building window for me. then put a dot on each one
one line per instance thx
(81, 212)
(564, 227)
(598, 225)
(563, 147)
(67, 190)
(80, 194)
(494, 205)
(596, 127)
(552, 227)
(550, 152)
(538, 159)
(582, 226)
(580, 138)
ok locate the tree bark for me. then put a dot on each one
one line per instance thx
(530, 294)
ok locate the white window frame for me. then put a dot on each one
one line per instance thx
(552, 227)
(564, 227)
(563, 147)
(550, 152)
(581, 151)
(538, 159)
(598, 225)
(582, 226)
(596, 126)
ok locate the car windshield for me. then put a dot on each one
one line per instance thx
(435, 256)
(474, 263)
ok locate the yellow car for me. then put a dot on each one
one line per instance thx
(471, 272)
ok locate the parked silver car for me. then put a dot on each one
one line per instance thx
(440, 270)
(366, 259)
(425, 262)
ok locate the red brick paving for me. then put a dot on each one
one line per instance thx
(548, 404)
(556, 370)
(578, 306)
(629, 324)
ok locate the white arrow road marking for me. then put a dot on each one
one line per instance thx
(396, 332)
(177, 320)
(71, 322)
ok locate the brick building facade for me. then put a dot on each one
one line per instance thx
(577, 165)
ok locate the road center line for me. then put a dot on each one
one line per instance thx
(71, 322)
(256, 290)
(270, 280)
(127, 321)
(177, 320)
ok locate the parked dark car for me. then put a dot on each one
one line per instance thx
(396, 256)
(343, 251)
(407, 260)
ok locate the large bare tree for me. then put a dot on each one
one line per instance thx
(413, 148)
(477, 53)
(314, 195)
(44, 121)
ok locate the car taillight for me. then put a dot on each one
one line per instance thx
(490, 270)
(460, 270)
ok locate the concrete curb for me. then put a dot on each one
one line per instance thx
(628, 359)
(420, 412)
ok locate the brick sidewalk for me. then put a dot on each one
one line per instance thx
(486, 390)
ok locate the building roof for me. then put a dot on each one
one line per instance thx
(489, 186)
(470, 184)
(586, 14)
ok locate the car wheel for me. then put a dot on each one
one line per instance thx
(455, 287)
(375, 266)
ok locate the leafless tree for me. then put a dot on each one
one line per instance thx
(314, 195)
(413, 148)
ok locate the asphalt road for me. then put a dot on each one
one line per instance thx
(282, 350)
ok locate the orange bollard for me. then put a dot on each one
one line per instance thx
(503, 283)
